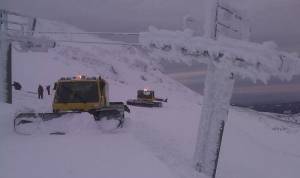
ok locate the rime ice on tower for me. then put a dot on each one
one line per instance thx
(226, 57)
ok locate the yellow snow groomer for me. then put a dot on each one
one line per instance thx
(75, 95)
(146, 98)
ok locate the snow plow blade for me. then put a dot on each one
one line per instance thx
(29, 119)
(25, 117)
(143, 103)
(163, 100)
(30, 123)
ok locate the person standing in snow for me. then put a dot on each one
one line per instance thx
(48, 89)
(40, 92)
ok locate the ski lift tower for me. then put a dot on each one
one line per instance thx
(5, 78)
(227, 53)
(15, 27)
(221, 21)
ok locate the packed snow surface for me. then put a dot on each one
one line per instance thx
(155, 142)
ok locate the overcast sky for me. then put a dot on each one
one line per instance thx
(270, 19)
(276, 20)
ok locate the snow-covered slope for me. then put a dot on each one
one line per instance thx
(157, 142)
(125, 68)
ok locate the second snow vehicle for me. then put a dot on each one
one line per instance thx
(146, 98)
(75, 95)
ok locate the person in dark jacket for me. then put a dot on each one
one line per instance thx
(40, 92)
(48, 89)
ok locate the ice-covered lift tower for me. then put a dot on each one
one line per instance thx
(226, 58)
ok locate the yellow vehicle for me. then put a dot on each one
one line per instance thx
(79, 94)
(146, 98)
